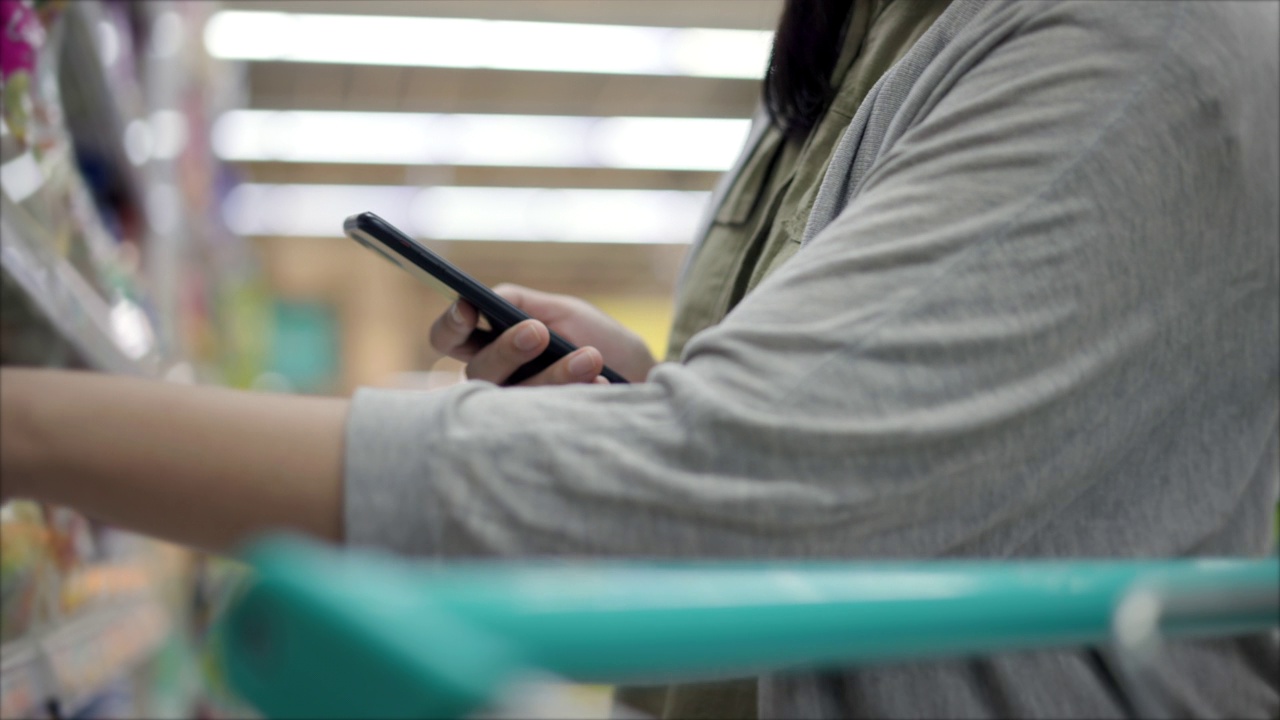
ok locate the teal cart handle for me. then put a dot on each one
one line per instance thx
(325, 633)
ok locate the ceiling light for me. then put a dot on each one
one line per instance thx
(497, 44)
(499, 140)
(311, 210)
(470, 213)
(557, 215)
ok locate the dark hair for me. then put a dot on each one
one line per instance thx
(806, 45)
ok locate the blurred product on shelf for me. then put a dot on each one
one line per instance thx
(42, 186)
(23, 43)
(71, 625)
(101, 581)
(70, 539)
(56, 247)
(95, 649)
(111, 193)
(27, 572)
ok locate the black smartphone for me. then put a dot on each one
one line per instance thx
(385, 239)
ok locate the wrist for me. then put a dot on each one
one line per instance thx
(641, 359)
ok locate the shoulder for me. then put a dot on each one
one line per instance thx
(1203, 32)
(1155, 61)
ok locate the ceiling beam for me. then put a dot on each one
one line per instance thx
(318, 86)
(319, 267)
(423, 175)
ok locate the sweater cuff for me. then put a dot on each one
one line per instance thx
(389, 500)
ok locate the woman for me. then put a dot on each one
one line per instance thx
(991, 280)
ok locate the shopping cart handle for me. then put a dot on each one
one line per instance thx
(338, 633)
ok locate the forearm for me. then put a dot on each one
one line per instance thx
(208, 467)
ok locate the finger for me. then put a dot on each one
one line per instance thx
(580, 366)
(547, 307)
(451, 332)
(521, 343)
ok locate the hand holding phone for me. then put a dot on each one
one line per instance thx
(495, 356)
(380, 236)
(567, 316)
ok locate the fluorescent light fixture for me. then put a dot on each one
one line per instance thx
(312, 210)
(557, 215)
(470, 213)
(500, 140)
(496, 44)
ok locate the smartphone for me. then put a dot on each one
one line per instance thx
(385, 239)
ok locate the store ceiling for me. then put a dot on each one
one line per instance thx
(304, 266)
(314, 86)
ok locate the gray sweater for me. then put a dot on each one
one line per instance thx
(1036, 314)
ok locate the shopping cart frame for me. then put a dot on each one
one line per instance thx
(323, 632)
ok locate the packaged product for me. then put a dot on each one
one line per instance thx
(28, 577)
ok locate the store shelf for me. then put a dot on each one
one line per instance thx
(113, 337)
(75, 660)
(95, 212)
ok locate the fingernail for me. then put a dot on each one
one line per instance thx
(455, 314)
(581, 364)
(526, 338)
